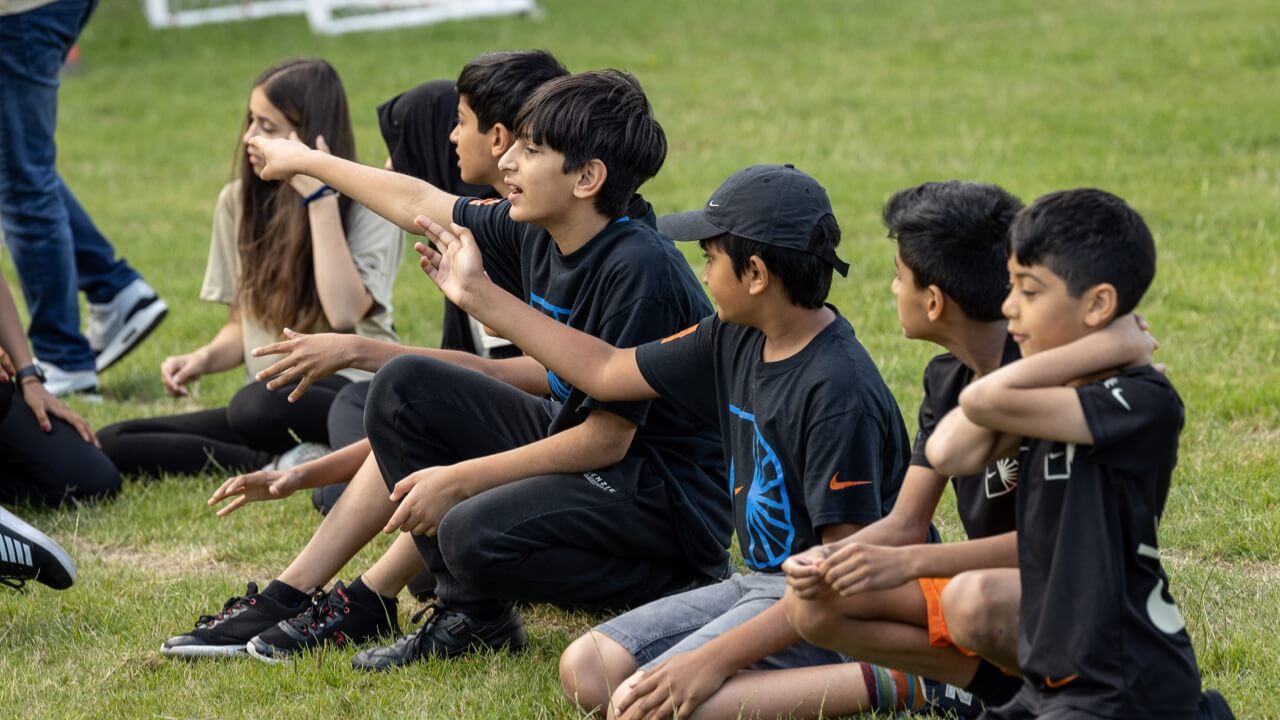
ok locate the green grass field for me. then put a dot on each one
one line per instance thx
(1170, 103)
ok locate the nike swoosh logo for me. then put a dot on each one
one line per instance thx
(1055, 456)
(713, 204)
(1115, 393)
(738, 489)
(837, 484)
(1055, 684)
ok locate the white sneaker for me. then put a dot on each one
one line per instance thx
(297, 455)
(117, 326)
(61, 382)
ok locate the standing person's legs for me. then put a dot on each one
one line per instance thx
(36, 222)
(101, 274)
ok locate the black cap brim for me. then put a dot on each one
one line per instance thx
(688, 226)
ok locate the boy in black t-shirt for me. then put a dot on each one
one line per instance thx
(815, 444)
(510, 496)
(878, 595)
(1100, 636)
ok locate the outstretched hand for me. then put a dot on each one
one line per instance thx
(254, 487)
(455, 264)
(282, 157)
(307, 359)
(304, 185)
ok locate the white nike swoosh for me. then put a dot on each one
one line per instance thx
(1115, 392)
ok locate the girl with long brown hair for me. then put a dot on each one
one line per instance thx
(285, 256)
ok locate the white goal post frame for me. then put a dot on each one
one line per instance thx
(333, 17)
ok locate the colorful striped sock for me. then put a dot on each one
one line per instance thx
(892, 690)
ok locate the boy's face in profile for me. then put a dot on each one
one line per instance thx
(541, 190)
(475, 149)
(911, 300)
(727, 291)
(1042, 312)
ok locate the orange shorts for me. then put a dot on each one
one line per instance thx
(939, 636)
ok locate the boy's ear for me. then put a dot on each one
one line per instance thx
(757, 276)
(500, 139)
(935, 303)
(591, 179)
(1100, 303)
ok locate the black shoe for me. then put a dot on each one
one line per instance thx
(28, 554)
(948, 701)
(1214, 707)
(447, 633)
(334, 618)
(227, 633)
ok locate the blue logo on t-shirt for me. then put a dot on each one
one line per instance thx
(559, 388)
(770, 531)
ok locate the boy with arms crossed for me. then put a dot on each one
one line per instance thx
(1099, 635)
(511, 496)
(879, 595)
(814, 441)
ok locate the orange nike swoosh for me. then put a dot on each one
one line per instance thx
(836, 484)
(738, 489)
(1055, 684)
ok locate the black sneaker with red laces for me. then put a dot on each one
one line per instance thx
(226, 633)
(336, 618)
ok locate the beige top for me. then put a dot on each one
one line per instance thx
(376, 247)
(13, 7)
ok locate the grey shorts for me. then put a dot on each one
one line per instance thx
(679, 623)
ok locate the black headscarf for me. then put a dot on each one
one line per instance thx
(416, 125)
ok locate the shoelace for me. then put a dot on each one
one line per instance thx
(235, 602)
(438, 612)
(324, 606)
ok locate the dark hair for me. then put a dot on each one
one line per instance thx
(496, 84)
(274, 237)
(604, 115)
(955, 235)
(1087, 237)
(805, 277)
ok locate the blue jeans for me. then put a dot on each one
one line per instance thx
(56, 248)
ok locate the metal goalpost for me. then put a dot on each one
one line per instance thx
(331, 17)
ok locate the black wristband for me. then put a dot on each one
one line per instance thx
(31, 370)
(324, 190)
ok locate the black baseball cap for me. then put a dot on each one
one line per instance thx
(771, 204)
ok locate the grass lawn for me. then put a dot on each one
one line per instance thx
(1170, 103)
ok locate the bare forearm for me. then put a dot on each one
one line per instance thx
(959, 446)
(597, 368)
(396, 197)
(224, 351)
(336, 467)
(951, 559)
(523, 373)
(341, 290)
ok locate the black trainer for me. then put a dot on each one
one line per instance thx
(28, 554)
(227, 633)
(948, 701)
(1214, 707)
(447, 633)
(333, 617)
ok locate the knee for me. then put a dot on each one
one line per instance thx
(346, 415)
(816, 620)
(976, 605)
(591, 669)
(470, 546)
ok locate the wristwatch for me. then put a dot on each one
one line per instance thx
(31, 370)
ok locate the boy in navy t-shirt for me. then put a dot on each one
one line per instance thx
(815, 444)
(1099, 633)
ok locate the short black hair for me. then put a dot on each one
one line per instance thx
(496, 84)
(955, 235)
(805, 277)
(604, 115)
(1087, 237)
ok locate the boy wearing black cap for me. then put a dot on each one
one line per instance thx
(813, 438)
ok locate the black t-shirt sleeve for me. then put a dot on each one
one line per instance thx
(1134, 420)
(843, 468)
(928, 420)
(681, 368)
(500, 239)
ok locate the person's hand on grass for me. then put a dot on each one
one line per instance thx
(255, 487)
(673, 688)
(424, 497)
(454, 263)
(44, 406)
(307, 359)
(178, 370)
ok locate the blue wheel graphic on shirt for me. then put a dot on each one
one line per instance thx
(770, 531)
(559, 388)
